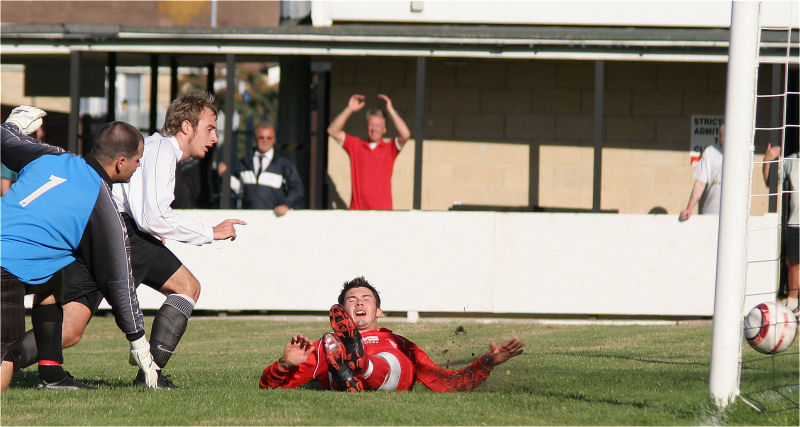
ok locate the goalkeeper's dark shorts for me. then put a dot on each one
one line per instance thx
(152, 262)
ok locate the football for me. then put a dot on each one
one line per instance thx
(770, 327)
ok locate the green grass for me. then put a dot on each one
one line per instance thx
(569, 375)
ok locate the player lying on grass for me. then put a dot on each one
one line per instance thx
(359, 356)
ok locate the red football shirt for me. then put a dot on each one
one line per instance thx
(414, 365)
(371, 172)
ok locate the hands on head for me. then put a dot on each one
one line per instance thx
(226, 230)
(356, 102)
(296, 352)
(388, 102)
(498, 354)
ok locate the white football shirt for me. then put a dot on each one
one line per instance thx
(709, 170)
(151, 190)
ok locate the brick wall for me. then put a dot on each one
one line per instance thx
(163, 13)
(483, 118)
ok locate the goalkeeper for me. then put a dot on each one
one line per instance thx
(359, 356)
(58, 211)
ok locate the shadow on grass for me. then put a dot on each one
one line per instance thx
(588, 399)
(30, 377)
(25, 379)
(625, 357)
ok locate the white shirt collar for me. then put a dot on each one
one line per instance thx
(172, 140)
(267, 155)
(262, 161)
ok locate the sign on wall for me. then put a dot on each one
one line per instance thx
(705, 132)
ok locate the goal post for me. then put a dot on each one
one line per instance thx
(740, 108)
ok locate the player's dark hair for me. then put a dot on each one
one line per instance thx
(359, 282)
(115, 139)
(189, 107)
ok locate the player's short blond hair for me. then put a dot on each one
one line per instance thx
(189, 107)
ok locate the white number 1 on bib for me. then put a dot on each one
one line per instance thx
(54, 181)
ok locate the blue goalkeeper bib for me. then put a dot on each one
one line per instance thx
(44, 216)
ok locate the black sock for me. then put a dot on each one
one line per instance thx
(168, 327)
(47, 321)
(28, 354)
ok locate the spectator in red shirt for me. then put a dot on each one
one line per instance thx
(372, 161)
(379, 360)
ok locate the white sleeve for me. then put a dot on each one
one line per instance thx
(701, 173)
(155, 186)
(236, 185)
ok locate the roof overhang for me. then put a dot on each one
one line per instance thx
(447, 41)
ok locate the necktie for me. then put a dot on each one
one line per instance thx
(259, 163)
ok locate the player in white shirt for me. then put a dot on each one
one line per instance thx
(190, 130)
(707, 179)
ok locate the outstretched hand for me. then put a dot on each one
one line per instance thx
(225, 229)
(498, 354)
(296, 352)
(356, 102)
(389, 106)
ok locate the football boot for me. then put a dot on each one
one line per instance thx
(346, 330)
(66, 383)
(164, 381)
(343, 377)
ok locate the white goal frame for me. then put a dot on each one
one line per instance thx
(737, 173)
(740, 109)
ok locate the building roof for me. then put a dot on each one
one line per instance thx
(412, 40)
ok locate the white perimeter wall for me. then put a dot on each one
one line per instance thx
(471, 261)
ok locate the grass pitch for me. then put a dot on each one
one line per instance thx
(568, 375)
